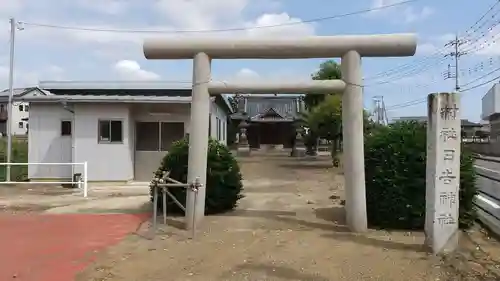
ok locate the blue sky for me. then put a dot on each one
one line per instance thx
(59, 54)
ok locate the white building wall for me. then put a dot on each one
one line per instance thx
(218, 123)
(491, 102)
(147, 162)
(20, 111)
(45, 143)
(106, 161)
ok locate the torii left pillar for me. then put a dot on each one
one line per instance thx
(198, 136)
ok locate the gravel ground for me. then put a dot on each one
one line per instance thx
(290, 226)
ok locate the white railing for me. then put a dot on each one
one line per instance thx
(82, 183)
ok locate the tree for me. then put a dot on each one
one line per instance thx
(325, 120)
(328, 70)
(395, 169)
(233, 102)
(223, 179)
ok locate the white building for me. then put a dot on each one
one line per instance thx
(122, 129)
(20, 110)
(491, 111)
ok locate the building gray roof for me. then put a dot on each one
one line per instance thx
(114, 85)
(286, 107)
(106, 98)
(116, 91)
(20, 91)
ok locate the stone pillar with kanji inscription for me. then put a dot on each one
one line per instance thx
(443, 172)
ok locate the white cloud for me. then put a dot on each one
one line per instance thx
(9, 7)
(4, 72)
(109, 7)
(412, 15)
(377, 4)
(432, 44)
(30, 77)
(290, 26)
(102, 49)
(201, 14)
(427, 49)
(398, 14)
(246, 74)
(131, 70)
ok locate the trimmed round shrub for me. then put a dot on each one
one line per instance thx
(223, 187)
(395, 167)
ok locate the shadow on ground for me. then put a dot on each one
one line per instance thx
(276, 271)
(142, 209)
(307, 165)
(289, 218)
(334, 222)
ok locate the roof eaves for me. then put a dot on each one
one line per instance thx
(88, 98)
(114, 85)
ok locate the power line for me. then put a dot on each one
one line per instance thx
(404, 74)
(483, 76)
(406, 104)
(364, 11)
(439, 52)
(423, 100)
(456, 54)
(482, 17)
(479, 85)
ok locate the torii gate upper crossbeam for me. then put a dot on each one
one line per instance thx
(385, 45)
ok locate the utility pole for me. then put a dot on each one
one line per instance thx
(456, 54)
(379, 114)
(13, 26)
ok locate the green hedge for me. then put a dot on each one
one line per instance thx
(223, 188)
(395, 167)
(19, 155)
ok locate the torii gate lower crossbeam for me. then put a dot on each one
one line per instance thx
(350, 48)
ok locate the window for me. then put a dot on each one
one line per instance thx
(217, 128)
(65, 128)
(21, 125)
(157, 136)
(210, 125)
(170, 132)
(223, 131)
(21, 107)
(26, 108)
(147, 136)
(110, 131)
(220, 130)
(2, 107)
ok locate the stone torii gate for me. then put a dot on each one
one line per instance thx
(349, 48)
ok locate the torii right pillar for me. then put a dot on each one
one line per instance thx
(352, 129)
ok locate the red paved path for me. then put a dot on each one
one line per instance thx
(57, 247)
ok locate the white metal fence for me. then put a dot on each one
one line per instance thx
(81, 182)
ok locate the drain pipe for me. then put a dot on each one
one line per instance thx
(72, 111)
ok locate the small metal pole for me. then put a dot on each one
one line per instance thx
(193, 229)
(85, 180)
(11, 96)
(196, 189)
(155, 203)
(164, 194)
